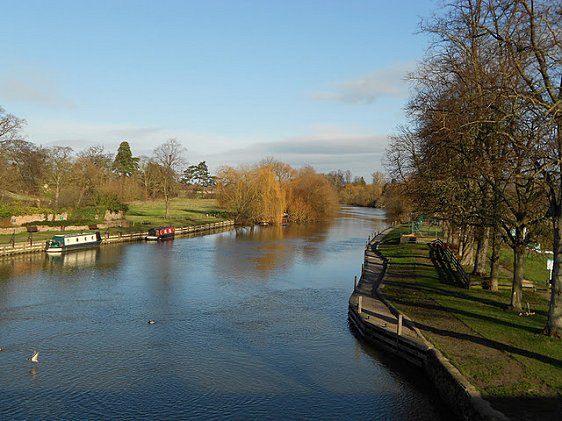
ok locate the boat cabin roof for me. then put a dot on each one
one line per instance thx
(60, 237)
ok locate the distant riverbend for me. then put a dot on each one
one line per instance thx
(249, 323)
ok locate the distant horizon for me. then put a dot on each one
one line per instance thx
(319, 83)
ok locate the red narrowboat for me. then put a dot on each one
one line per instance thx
(161, 233)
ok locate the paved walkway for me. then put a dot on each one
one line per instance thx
(374, 309)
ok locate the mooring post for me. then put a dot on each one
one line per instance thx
(359, 304)
(399, 327)
(355, 284)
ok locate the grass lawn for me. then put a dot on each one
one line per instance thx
(144, 215)
(183, 212)
(502, 353)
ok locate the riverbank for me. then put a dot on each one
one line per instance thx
(502, 356)
(15, 248)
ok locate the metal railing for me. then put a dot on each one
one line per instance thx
(449, 268)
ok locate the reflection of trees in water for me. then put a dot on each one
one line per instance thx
(261, 250)
(364, 214)
(21, 265)
(104, 258)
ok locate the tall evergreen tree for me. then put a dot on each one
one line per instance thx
(125, 164)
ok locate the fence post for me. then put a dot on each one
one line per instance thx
(355, 284)
(359, 304)
(399, 327)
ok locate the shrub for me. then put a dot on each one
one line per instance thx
(110, 201)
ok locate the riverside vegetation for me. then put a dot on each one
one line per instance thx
(503, 353)
(143, 215)
(482, 148)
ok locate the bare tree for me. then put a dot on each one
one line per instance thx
(170, 159)
(536, 50)
(59, 166)
(10, 126)
(91, 171)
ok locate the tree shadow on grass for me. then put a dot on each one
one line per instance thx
(200, 211)
(460, 294)
(394, 262)
(453, 311)
(528, 408)
(490, 344)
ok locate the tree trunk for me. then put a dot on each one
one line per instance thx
(166, 201)
(466, 252)
(454, 240)
(57, 194)
(494, 260)
(122, 188)
(81, 197)
(481, 251)
(554, 323)
(517, 287)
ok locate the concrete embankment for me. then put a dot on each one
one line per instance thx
(380, 323)
(35, 247)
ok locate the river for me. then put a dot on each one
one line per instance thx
(250, 324)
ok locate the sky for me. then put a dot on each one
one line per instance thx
(307, 82)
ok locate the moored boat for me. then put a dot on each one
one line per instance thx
(161, 233)
(68, 242)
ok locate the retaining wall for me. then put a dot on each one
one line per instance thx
(457, 392)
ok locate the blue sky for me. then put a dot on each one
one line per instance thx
(309, 82)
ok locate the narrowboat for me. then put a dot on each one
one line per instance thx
(161, 233)
(61, 243)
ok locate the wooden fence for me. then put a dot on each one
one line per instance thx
(14, 248)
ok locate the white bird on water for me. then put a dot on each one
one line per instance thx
(34, 357)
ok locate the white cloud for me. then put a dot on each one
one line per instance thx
(326, 149)
(389, 81)
(27, 85)
(80, 135)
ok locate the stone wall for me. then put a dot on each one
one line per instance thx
(7, 225)
(113, 216)
(19, 220)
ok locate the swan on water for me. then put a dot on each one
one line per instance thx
(34, 357)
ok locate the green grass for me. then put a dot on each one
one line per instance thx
(534, 268)
(183, 212)
(414, 287)
(144, 215)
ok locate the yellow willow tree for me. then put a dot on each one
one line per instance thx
(311, 197)
(270, 198)
(253, 194)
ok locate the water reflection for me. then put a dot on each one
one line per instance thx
(75, 259)
(250, 324)
(22, 265)
(268, 249)
(103, 259)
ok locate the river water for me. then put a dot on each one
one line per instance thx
(250, 323)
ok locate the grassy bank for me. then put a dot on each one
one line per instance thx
(183, 212)
(143, 215)
(501, 352)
